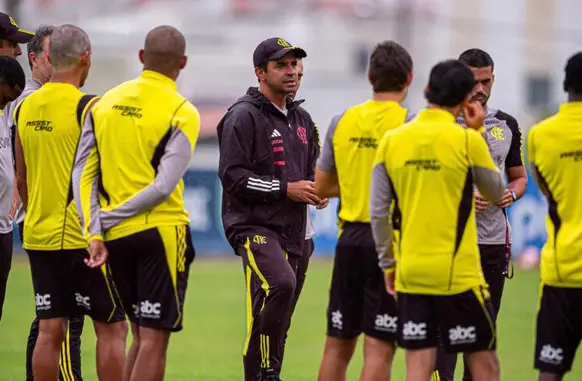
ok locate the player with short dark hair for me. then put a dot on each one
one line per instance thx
(554, 148)
(504, 139)
(423, 187)
(131, 196)
(358, 302)
(12, 82)
(265, 193)
(67, 281)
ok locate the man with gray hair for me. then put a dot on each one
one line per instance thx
(67, 280)
(70, 360)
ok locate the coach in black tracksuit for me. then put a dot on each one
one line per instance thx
(266, 149)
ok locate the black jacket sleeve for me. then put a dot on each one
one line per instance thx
(236, 136)
(314, 151)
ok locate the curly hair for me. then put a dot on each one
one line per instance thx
(390, 67)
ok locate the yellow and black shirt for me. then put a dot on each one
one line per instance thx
(554, 149)
(427, 168)
(349, 150)
(48, 124)
(135, 147)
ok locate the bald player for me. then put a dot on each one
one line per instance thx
(135, 147)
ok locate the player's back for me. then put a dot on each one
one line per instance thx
(133, 124)
(355, 140)
(429, 163)
(48, 123)
(555, 148)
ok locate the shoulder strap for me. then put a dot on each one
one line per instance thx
(85, 101)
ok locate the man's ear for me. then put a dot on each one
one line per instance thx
(140, 55)
(260, 73)
(183, 62)
(32, 59)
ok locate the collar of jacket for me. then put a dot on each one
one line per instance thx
(260, 100)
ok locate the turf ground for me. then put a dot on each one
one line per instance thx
(209, 347)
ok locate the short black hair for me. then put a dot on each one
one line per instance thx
(36, 45)
(390, 67)
(477, 58)
(573, 74)
(11, 72)
(449, 83)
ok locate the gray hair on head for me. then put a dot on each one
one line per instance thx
(66, 46)
(36, 45)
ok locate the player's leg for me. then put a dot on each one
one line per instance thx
(380, 320)
(471, 330)
(254, 299)
(163, 267)
(73, 342)
(493, 258)
(417, 334)
(345, 309)
(53, 298)
(445, 362)
(96, 296)
(123, 256)
(31, 342)
(302, 266)
(559, 329)
(6, 248)
(269, 263)
(70, 358)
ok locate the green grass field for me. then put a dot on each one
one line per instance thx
(209, 347)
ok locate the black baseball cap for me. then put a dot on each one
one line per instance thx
(10, 31)
(275, 48)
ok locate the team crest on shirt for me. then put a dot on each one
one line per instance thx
(497, 133)
(302, 133)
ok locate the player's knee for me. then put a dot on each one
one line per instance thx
(111, 331)
(340, 349)
(285, 285)
(52, 330)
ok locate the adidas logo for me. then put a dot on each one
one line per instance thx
(275, 134)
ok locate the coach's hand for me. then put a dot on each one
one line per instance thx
(97, 254)
(303, 191)
(324, 203)
(390, 280)
(474, 115)
(480, 203)
(506, 200)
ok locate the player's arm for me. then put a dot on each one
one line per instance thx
(532, 157)
(485, 174)
(326, 180)
(514, 165)
(86, 178)
(21, 183)
(236, 139)
(174, 163)
(381, 198)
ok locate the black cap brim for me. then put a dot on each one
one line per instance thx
(21, 36)
(299, 53)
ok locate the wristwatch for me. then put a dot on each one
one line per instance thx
(513, 196)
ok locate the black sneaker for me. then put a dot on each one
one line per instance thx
(269, 375)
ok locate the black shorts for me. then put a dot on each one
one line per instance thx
(559, 329)
(466, 319)
(150, 269)
(65, 286)
(358, 301)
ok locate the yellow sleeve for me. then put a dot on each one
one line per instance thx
(531, 154)
(478, 151)
(187, 120)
